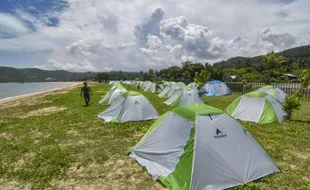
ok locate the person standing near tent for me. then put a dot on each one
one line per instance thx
(86, 91)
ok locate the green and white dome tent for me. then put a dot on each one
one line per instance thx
(141, 84)
(147, 86)
(172, 89)
(110, 97)
(130, 106)
(184, 96)
(193, 85)
(164, 92)
(161, 87)
(180, 84)
(199, 147)
(257, 107)
(153, 88)
(114, 86)
(275, 92)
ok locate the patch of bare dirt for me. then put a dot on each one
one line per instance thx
(121, 173)
(300, 155)
(24, 159)
(44, 111)
(2, 120)
(73, 132)
(306, 178)
(5, 135)
(13, 185)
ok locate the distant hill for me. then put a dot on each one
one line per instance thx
(298, 55)
(9, 74)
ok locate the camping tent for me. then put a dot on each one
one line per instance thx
(172, 89)
(111, 96)
(130, 106)
(114, 86)
(184, 96)
(199, 147)
(147, 86)
(193, 85)
(153, 87)
(275, 92)
(161, 87)
(216, 88)
(164, 92)
(180, 84)
(257, 107)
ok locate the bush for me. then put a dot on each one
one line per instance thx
(291, 104)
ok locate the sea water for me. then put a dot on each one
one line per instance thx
(16, 89)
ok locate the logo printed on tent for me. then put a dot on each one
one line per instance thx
(219, 134)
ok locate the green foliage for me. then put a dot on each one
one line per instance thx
(268, 68)
(272, 60)
(201, 78)
(291, 104)
(305, 78)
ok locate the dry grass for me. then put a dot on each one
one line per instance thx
(117, 173)
(43, 111)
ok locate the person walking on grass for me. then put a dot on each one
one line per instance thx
(86, 91)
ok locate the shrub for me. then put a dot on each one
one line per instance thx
(291, 104)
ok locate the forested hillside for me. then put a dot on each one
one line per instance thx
(242, 68)
(9, 74)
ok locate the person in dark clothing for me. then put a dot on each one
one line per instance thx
(86, 91)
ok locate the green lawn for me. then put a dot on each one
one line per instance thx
(53, 142)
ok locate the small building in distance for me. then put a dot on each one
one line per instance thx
(291, 76)
(50, 79)
(232, 78)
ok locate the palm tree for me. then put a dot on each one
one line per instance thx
(272, 60)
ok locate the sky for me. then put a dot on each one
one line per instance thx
(135, 35)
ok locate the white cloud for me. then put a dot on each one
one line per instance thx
(149, 26)
(141, 34)
(11, 26)
(82, 66)
(278, 39)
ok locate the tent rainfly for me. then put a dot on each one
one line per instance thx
(184, 96)
(216, 88)
(277, 93)
(193, 85)
(164, 92)
(199, 147)
(148, 86)
(130, 106)
(153, 88)
(257, 107)
(172, 89)
(110, 97)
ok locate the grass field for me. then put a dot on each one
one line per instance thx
(53, 142)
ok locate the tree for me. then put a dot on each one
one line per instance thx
(201, 78)
(292, 102)
(272, 60)
(186, 77)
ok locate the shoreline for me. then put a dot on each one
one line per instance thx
(22, 96)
